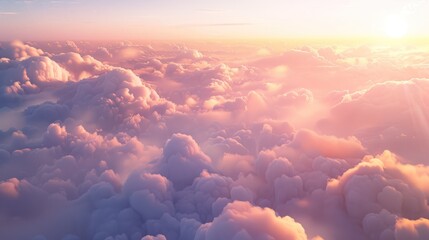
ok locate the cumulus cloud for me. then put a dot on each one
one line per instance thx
(117, 99)
(102, 53)
(409, 229)
(385, 116)
(34, 70)
(18, 50)
(298, 96)
(80, 66)
(129, 141)
(182, 160)
(328, 146)
(241, 220)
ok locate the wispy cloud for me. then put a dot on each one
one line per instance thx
(209, 10)
(8, 13)
(216, 24)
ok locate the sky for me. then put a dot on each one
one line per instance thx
(188, 19)
(256, 120)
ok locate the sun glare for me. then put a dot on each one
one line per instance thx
(396, 27)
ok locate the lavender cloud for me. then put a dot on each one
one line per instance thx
(134, 141)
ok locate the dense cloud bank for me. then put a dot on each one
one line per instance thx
(129, 141)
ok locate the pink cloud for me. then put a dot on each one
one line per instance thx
(165, 142)
(241, 220)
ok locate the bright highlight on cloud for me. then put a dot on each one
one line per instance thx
(131, 141)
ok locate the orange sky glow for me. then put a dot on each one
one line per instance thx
(190, 19)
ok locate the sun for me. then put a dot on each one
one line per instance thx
(395, 27)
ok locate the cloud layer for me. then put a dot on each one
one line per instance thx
(129, 141)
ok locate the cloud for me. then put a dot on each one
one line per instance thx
(241, 220)
(17, 50)
(296, 97)
(386, 116)
(295, 58)
(328, 146)
(80, 66)
(116, 99)
(8, 13)
(409, 229)
(212, 141)
(157, 237)
(182, 160)
(46, 112)
(230, 24)
(102, 53)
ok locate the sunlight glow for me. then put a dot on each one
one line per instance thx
(396, 27)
